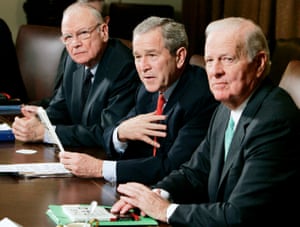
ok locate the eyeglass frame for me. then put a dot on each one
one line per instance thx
(82, 34)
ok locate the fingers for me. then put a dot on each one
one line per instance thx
(142, 127)
(142, 197)
(82, 165)
(121, 207)
(70, 158)
(133, 189)
(28, 129)
(29, 110)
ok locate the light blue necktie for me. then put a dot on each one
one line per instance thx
(228, 135)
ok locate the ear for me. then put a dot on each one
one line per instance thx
(103, 31)
(181, 54)
(261, 63)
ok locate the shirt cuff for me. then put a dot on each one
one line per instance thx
(119, 146)
(170, 210)
(109, 170)
(164, 194)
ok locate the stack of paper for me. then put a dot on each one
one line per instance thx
(60, 217)
(47, 169)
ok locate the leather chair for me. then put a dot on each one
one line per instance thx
(38, 50)
(284, 51)
(290, 80)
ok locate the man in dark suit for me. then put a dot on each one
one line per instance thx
(101, 7)
(160, 51)
(111, 96)
(255, 181)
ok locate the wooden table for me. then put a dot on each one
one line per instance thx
(25, 201)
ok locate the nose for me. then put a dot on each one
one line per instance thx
(144, 64)
(215, 68)
(75, 42)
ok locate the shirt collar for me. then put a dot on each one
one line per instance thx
(93, 69)
(169, 91)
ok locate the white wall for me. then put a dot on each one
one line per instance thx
(12, 11)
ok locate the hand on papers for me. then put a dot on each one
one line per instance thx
(81, 164)
(143, 127)
(28, 128)
(142, 197)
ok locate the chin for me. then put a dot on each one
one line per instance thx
(219, 96)
(151, 88)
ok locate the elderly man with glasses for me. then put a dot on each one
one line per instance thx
(109, 86)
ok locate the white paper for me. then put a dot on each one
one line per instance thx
(6, 222)
(35, 169)
(78, 213)
(4, 127)
(45, 120)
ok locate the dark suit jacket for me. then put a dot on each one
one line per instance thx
(256, 186)
(111, 97)
(188, 111)
(10, 80)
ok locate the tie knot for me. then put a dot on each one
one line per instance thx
(88, 74)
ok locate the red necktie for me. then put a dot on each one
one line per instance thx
(159, 110)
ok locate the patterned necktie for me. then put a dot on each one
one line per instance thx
(228, 135)
(86, 86)
(159, 110)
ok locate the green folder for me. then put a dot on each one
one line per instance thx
(55, 212)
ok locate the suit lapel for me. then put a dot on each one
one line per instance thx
(98, 89)
(247, 116)
(77, 83)
(218, 151)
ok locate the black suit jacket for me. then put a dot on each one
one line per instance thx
(11, 81)
(188, 111)
(111, 97)
(257, 185)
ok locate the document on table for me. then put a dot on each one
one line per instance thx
(6, 222)
(59, 214)
(48, 169)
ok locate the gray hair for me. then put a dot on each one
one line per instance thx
(173, 33)
(77, 5)
(253, 40)
(104, 7)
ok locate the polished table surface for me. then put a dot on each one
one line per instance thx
(25, 201)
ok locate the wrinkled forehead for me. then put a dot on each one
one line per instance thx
(73, 21)
(222, 41)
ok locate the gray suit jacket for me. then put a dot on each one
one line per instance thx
(257, 185)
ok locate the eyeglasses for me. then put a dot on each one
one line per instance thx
(79, 35)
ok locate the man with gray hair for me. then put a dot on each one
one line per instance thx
(80, 113)
(246, 170)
